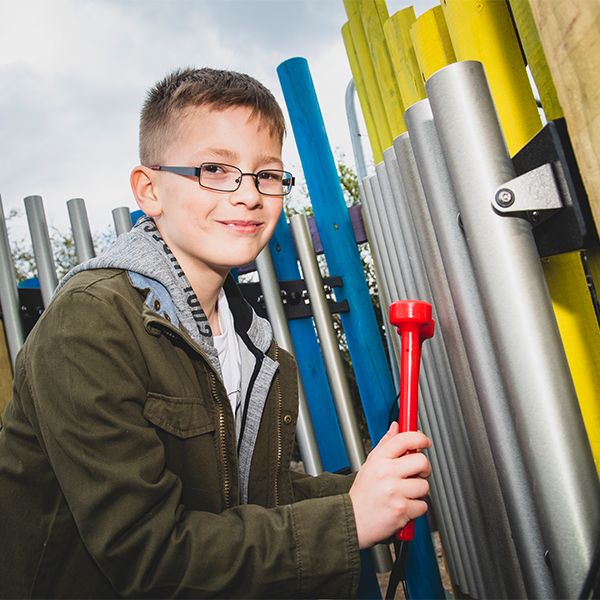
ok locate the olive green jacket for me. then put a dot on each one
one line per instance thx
(119, 472)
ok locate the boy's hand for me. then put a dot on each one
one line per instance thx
(387, 490)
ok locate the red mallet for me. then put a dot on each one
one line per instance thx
(412, 319)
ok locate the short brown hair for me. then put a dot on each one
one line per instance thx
(214, 88)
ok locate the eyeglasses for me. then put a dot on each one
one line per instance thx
(227, 178)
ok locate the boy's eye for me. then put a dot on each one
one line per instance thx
(212, 168)
(272, 176)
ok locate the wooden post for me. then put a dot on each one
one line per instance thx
(570, 35)
(402, 53)
(431, 41)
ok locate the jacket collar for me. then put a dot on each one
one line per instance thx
(248, 325)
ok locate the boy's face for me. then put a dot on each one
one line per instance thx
(212, 230)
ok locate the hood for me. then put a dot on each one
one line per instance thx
(151, 264)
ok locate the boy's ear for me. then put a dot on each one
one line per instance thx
(142, 185)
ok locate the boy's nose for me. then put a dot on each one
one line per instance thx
(247, 193)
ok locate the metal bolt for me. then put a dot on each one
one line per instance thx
(505, 198)
(336, 226)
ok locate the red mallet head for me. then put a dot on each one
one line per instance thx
(408, 314)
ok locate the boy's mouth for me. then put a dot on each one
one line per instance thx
(242, 226)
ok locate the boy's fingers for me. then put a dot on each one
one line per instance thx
(400, 444)
(417, 508)
(415, 488)
(413, 465)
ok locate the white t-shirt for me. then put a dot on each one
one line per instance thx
(228, 348)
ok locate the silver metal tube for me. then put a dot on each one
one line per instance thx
(517, 303)
(333, 360)
(328, 340)
(373, 228)
(9, 295)
(357, 149)
(395, 289)
(432, 401)
(80, 226)
(515, 485)
(382, 289)
(122, 220)
(42, 248)
(495, 554)
(307, 442)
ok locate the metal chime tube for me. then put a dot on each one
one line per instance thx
(328, 340)
(333, 360)
(42, 248)
(9, 295)
(382, 288)
(495, 560)
(80, 226)
(432, 392)
(122, 220)
(522, 323)
(515, 485)
(445, 503)
(305, 434)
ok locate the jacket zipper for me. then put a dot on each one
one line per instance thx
(279, 455)
(222, 446)
(173, 334)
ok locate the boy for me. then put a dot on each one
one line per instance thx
(146, 449)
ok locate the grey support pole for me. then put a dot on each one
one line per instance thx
(357, 149)
(307, 442)
(42, 248)
(495, 553)
(328, 340)
(122, 220)
(80, 226)
(515, 485)
(522, 323)
(9, 295)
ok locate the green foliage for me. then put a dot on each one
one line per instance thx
(349, 181)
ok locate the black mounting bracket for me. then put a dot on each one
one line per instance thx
(556, 229)
(294, 296)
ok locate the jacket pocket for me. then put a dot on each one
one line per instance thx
(183, 417)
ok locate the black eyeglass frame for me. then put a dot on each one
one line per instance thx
(195, 172)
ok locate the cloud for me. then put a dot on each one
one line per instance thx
(74, 74)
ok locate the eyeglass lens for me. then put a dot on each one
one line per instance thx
(226, 178)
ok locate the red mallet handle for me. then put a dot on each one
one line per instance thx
(412, 319)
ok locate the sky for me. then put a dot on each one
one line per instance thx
(74, 74)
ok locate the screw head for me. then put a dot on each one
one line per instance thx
(505, 198)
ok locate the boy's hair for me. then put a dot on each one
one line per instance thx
(216, 89)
